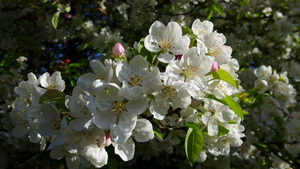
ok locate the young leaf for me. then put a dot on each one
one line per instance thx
(145, 53)
(56, 97)
(52, 95)
(225, 76)
(55, 20)
(218, 8)
(222, 130)
(231, 103)
(158, 133)
(193, 144)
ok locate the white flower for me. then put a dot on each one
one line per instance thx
(201, 29)
(166, 39)
(49, 120)
(125, 150)
(28, 90)
(263, 71)
(82, 107)
(217, 113)
(295, 71)
(54, 81)
(118, 110)
(143, 131)
(172, 93)
(93, 148)
(261, 84)
(102, 74)
(69, 152)
(137, 75)
(193, 68)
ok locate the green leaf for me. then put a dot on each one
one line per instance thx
(52, 95)
(158, 133)
(144, 52)
(75, 65)
(193, 144)
(225, 76)
(222, 130)
(55, 20)
(186, 30)
(218, 8)
(209, 13)
(231, 103)
(68, 8)
(56, 97)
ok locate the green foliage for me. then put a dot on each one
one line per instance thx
(225, 76)
(221, 130)
(141, 50)
(231, 103)
(251, 98)
(189, 32)
(55, 19)
(193, 143)
(55, 97)
(157, 132)
(213, 7)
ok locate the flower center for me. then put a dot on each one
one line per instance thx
(169, 92)
(54, 124)
(189, 70)
(51, 86)
(135, 80)
(213, 52)
(118, 107)
(165, 45)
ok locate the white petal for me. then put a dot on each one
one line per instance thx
(143, 131)
(86, 80)
(174, 31)
(127, 121)
(181, 45)
(103, 119)
(119, 136)
(159, 31)
(131, 93)
(137, 106)
(125, 150)
(45, 80)
(149, 45)
(212, 127)
(99, 69)
(165, 57)
(138, 64)
(56, 80)
(159, 108)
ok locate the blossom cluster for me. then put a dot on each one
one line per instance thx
(191, 75)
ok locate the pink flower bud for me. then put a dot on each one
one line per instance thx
(214, 66)
(118, 50)
(178, 57)
(67, 61)
(108, 140)
(68, 15)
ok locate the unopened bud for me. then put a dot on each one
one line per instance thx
(107, 140)
(214, 66)
(118, 50)
(178, 57)
(68, 15)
